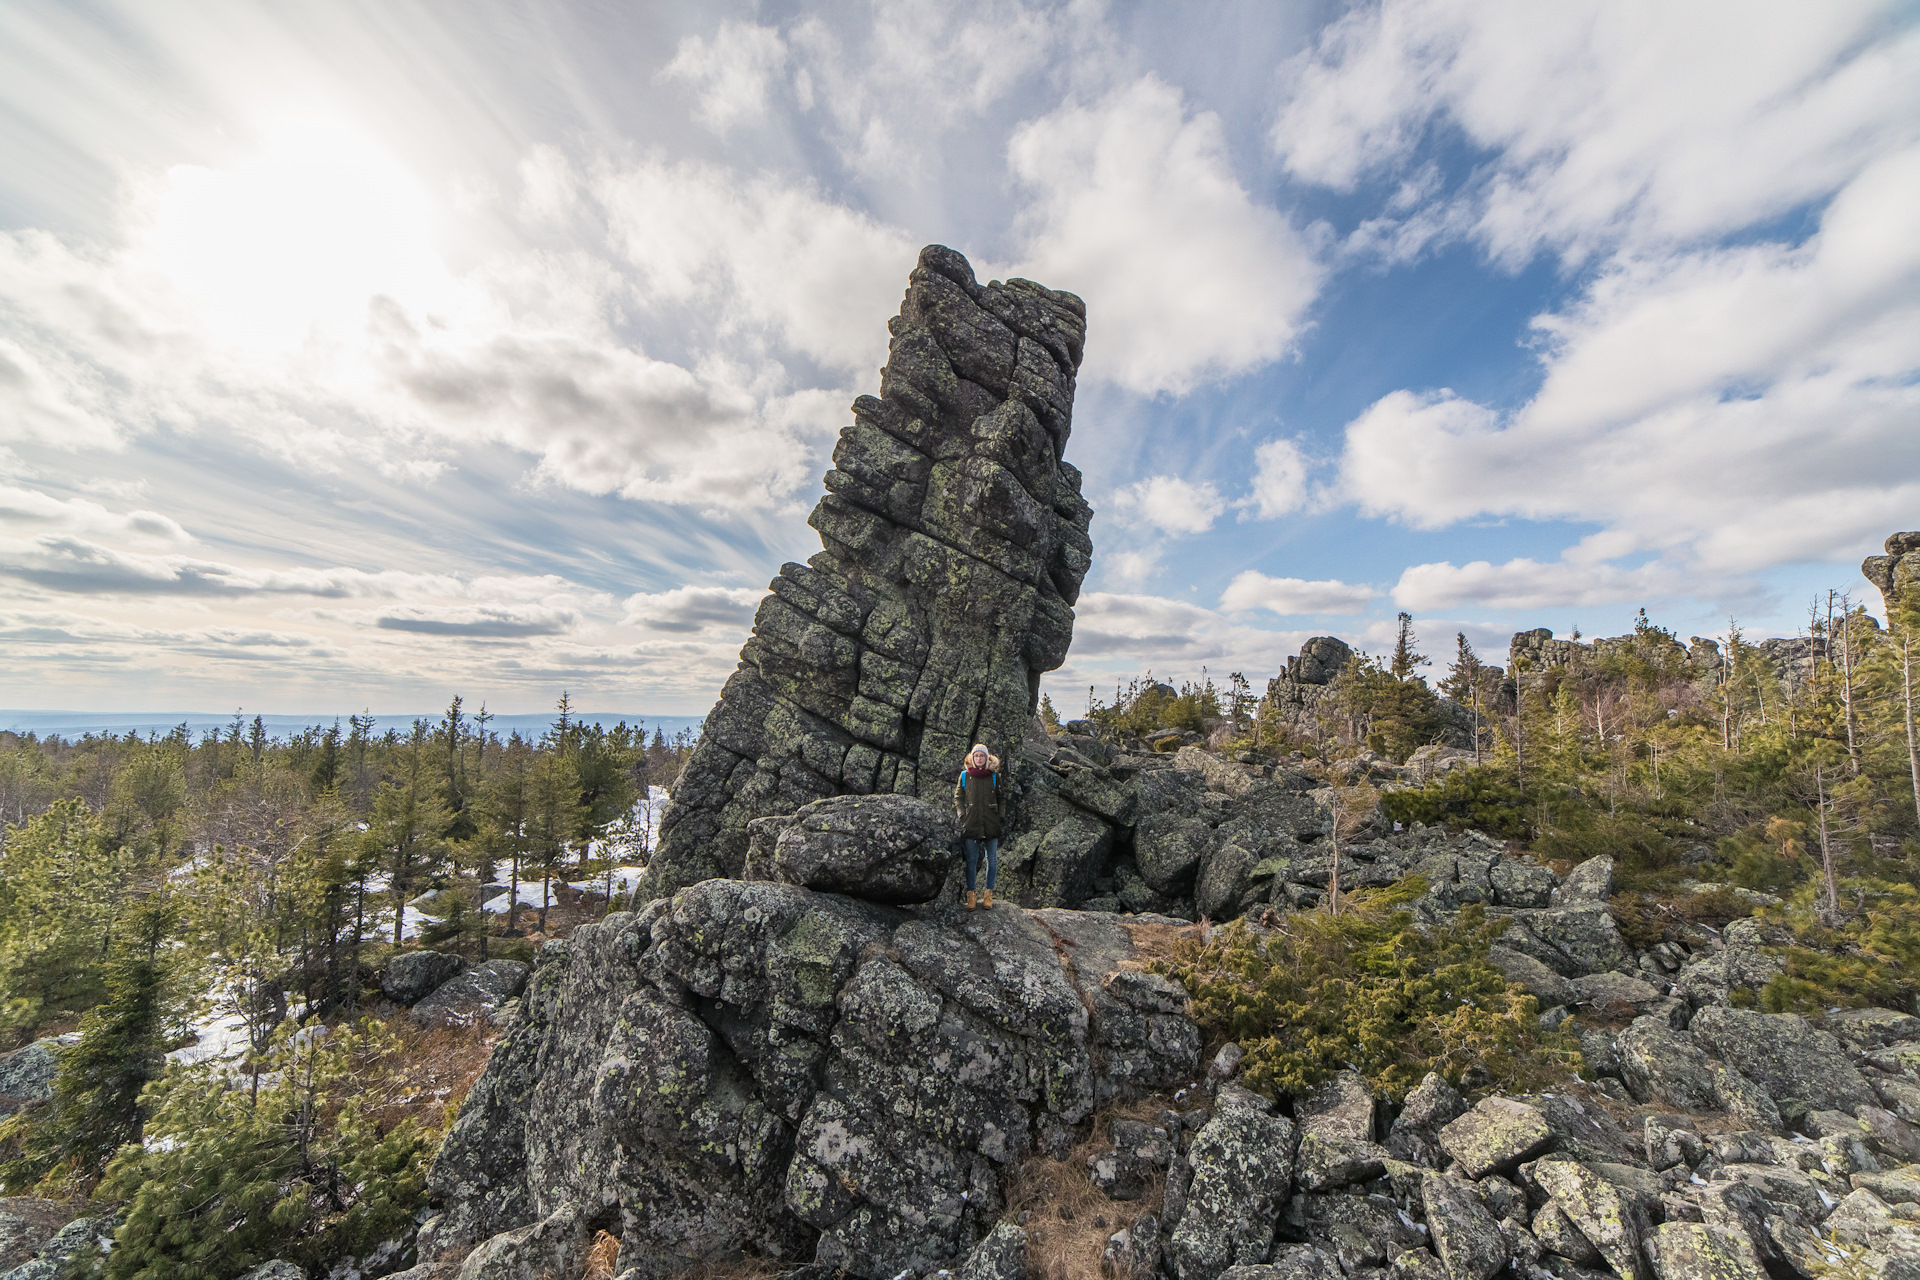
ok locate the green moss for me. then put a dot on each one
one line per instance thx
(1367, 989)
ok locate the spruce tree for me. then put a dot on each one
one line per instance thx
(96, 1102)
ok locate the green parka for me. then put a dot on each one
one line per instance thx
(982, 803)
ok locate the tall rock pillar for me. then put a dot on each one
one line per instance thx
(954, 542)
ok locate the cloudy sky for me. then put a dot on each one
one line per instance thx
(360, 354)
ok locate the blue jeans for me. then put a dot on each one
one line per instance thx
(973, 860)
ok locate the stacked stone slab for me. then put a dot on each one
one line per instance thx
(1895, 571)
(955, 541)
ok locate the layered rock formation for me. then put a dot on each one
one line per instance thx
(955, 540)
(804, 1076)
(1897, 570)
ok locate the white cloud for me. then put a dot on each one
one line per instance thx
(1641, 124)
(1170, 504)
(1279, 480)
(760, 255)
(731, 72)
(1252, 590)
(890, 91)
(1731, 408)
(1523, 584)
(1135, 206)
(694, 608)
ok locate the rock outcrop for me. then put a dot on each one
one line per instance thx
(809, 1077)
(1897, 570)
(954, 543)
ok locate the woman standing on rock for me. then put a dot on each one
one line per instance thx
(982, 809)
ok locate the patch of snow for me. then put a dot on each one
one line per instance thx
(529, 897)
(624, 880)
(221, 1036)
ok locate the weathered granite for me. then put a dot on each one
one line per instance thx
(954, 543)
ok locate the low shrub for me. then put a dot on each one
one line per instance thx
(1870, 955)
(1368, 989)
(1484, 798)
(305, 1169)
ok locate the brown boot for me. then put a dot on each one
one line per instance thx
(988, 900)
(970, 900)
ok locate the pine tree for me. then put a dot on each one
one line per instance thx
(1406, 657)
(96, 1104)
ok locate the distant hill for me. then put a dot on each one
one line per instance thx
(75, 724)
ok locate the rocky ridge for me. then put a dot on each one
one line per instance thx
(823, 1081)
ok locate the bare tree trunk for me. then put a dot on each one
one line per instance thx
(1826, 844)
(1846, 685)
(1906, 677)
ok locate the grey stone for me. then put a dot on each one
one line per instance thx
(1291, 1262)
(1871, 1028)
(1746, 1101)
(1615, 1222)
(472, 994)
(1899, 1095)
(1140, 1154)
(555, 1245)
(1242, 1162)
(26, 1224)
(27, 1074)
(1570, 939)
(1894, 1186)
(1000, 1255)
(1902, 1058)
(55, 1259)
(1697, 1251)
(1590, 882)
(274, 1270)
(954, 541)
(1672, 1142)
(757, 1066)
(1541, 982)
(1168, 848)
(411, 976)
(1784, 1055)
(1660, 1064)
(1887, 1134)
(1468, 1241)
(1415, 1135)
(1498, 1133)
(1557, 1234)
(895, 849)
(1336, 1134)
(1133, 1252)
(1603, 990)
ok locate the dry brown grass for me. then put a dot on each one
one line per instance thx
(432, 1070)
(1156, 941)
(602, 1258)
(1068, 1219)
(740, 1267)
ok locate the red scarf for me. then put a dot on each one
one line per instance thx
(979, 773)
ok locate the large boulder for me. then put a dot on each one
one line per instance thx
(412, 976)
(954, 540)
(1614, 1221)
(1465, 1235)
(1337, 1124)
(1242, 1161)
(472, 995)
(882, 848)
(27, 1074)
(1497, 1134)
(757, 1066)
(1783, 1054)
(1662, 1065)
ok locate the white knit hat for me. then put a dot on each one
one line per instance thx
(980, 747)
